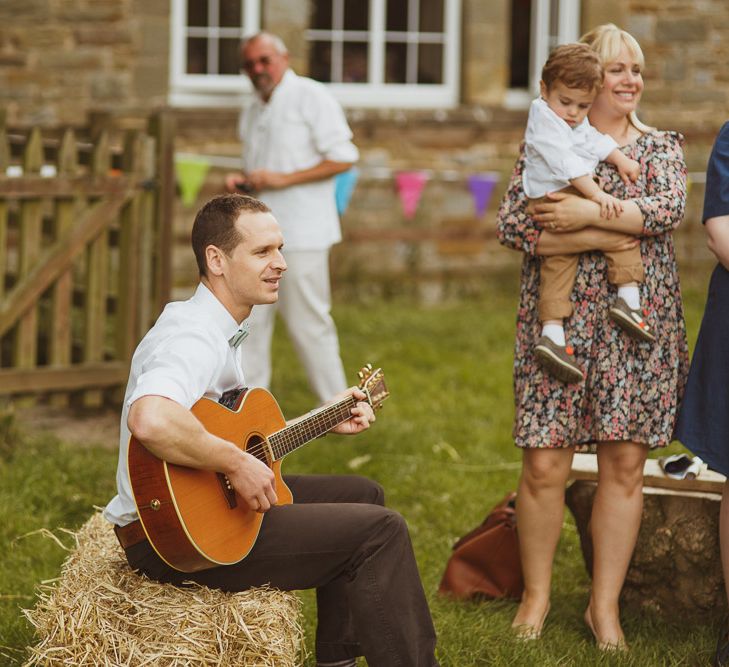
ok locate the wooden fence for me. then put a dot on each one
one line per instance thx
(85, 254)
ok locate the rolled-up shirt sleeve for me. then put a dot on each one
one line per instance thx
(331, 133)
(181, 368)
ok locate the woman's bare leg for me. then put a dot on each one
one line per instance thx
(616, 515)
(539, 516)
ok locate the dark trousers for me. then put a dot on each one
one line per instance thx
(337, 537)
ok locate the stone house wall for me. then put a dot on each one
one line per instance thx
(62, 59)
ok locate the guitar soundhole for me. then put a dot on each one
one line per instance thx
(256, 446)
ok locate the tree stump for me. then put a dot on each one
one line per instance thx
(676, 566)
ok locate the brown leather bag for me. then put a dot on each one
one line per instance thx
(486, 560)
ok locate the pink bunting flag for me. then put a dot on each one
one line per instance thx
(410, 186)
(482, 187)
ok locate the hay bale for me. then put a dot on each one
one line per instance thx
(99, 612)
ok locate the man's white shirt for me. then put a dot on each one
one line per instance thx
(301, 125)
(184, 356)
(555, 153)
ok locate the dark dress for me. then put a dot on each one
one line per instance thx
(703, 424)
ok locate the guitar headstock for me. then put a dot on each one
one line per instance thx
(372, 383)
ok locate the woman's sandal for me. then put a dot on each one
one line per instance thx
(619, 645)
(527, 632)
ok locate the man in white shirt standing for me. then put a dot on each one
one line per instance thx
(295, 140)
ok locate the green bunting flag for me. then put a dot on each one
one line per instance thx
(190, 173)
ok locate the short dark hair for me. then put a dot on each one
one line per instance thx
(215, 225)
(575, 66)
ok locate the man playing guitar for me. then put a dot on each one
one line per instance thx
(337, 536)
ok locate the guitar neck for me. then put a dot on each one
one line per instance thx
(307, 429)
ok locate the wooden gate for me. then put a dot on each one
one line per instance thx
(85, 248)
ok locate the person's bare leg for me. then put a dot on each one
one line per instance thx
(616, 515)
(539, 516)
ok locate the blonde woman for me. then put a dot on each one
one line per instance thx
(628, 401)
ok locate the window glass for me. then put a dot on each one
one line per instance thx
(197, 12)
(230, 13)
(320, 61)
(354, 63)
(431, 15)
(397, 15)
(430, 63)
(229, 56)
(197, 55)
(396, 63)
(356, 15)
(321, 15)
(520, 43)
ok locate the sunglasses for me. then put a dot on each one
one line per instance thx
(248, 65)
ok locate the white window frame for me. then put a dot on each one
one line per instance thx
(543, 41)
(377, 93)
(204, 90)
(207, 89)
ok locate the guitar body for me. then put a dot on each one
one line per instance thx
(191, 519)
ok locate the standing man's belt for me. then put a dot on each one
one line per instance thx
(131, 534)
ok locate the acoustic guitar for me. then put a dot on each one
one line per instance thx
(193, 518)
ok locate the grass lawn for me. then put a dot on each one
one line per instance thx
(441, 448)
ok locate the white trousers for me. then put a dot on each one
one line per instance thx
(304, 301)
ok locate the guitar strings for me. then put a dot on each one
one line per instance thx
(300, 432)
(307, 428)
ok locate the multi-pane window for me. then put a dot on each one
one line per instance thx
(410, 35)
(213, 33)
(386, 52)
(205, 41)
(396, 53)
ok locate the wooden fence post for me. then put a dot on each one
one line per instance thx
(26, 335)
(62, 291)
(4, 162)
(97, 269)
(162, 126)
(128, 293)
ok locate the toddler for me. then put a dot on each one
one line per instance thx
(562, 150)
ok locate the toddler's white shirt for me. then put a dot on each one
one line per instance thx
(556, 153)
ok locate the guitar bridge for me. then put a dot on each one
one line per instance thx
(228, 491)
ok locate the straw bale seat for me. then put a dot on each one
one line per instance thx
(99, 612)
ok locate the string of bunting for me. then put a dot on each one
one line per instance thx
(191, 171)
(410, 186)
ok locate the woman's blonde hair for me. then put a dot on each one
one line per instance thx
(607, 40)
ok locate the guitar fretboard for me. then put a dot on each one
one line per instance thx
(318, 423)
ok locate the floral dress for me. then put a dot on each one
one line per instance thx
(632, 389)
